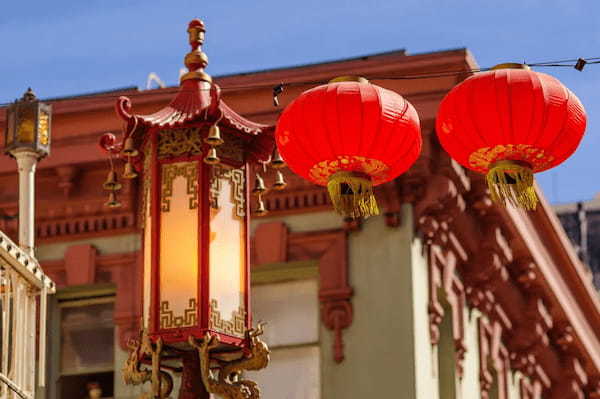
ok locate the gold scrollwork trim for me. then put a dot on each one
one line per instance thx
(177, 142)
(235, 326)
(321, 171)
(238, 184)
(188, 170)
(483, 158)
(169, 320)
(232, 149)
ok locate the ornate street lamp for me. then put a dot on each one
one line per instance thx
(194, 157)
(27, 139)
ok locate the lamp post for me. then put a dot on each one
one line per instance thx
(194, 158)
(27, 139)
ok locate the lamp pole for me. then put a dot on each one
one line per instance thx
(27, 162)
(27, 139)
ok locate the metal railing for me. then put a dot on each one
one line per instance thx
(23, 291)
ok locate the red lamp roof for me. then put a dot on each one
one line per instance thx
(199, 100)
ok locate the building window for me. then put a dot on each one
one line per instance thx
(292, 310)
(85, 343)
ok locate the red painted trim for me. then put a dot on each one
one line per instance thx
(247, 303)
(179, 335)
(155, 211)
(204, 247)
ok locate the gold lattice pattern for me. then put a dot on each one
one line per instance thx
(235, 326)
(169, 320)
(187, 170)
(232, 149)
(238, 185)
(177, 142)
(321, 171)
(482, 159)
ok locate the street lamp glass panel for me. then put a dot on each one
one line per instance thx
(9, 132)
(26, 124)
(179, 239)
(228, 248)
(44, 127)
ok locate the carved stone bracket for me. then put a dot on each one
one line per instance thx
(493, 355)
(273, 243)
(335, 292)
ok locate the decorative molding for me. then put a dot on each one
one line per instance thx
(329, 247)
(177, 142)
(168, 318)
(80, 264)
(238, 188)
(66, 176)
(170, 171)
(335, 291)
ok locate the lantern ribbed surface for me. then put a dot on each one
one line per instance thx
(509, 124)
(367, 132)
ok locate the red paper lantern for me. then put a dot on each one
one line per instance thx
(509, 123)
(349, 135)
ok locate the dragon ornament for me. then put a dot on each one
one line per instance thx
(229, 384)
(133, 374)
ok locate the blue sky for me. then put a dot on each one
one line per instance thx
(71, 47)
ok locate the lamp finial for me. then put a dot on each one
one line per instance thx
(29, 95)
(196, 60)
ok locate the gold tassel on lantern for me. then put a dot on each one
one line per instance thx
(352, 194)
(512, 181)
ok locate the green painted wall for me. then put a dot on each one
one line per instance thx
(379, 345)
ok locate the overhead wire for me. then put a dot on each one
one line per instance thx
(577, 63)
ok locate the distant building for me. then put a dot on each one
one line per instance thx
(581, 221)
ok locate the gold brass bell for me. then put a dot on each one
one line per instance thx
(128, 148)
(111, 183)
(276, 161)
(260, 208)
(214, 136)
(259, 185)
(129, 172)
(212, 158)
(112, 202)
(279, 181)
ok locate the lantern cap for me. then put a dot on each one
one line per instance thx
(510, 65)
(349, 78)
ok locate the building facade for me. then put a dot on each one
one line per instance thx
(444, 295)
